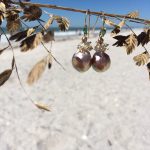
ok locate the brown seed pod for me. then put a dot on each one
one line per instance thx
(32, 13)
(31, 42)
(23, 34)
(148, 68)
(4, 76)
(101, 61)
(13, 23)
(49, 36)
(63, 22)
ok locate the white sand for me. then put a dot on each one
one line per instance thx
(90, 111)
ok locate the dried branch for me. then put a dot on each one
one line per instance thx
(136, 20)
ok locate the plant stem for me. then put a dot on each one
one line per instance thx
(136, 20)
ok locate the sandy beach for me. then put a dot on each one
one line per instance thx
(89, 111)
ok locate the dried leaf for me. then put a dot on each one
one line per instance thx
(110, 23)
(49, 65)
(63, 22)
(2, 7)
(38, 70)
(32, 13)
(1, 17)
(49, 60)
(13, 24)
(134, 14)
(7, 3)
(13, 21)
(2, 50)
(144, 37)
(148, 68)
(42, 106)
(4, 76)
(117, 29)
(12, 13)
(23, 34)
(48, 23)
(121, 40)
(131, 43)
(2, 11)
(49, 36)
(122, 23)
(142, 59)
(31, 42)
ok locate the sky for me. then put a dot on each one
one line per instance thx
(109, 6)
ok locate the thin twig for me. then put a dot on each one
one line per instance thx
(136, 20)
(53, 57)
(16, 68)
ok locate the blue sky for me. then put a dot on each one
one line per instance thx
(110, 6)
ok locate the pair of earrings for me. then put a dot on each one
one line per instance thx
(82, 59)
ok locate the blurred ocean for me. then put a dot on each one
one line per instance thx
(72, 32)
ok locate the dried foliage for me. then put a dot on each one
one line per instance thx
(63, 22)
(13, 63)
(121, 40)
(7, 3)
(1, 17)
(13, 21)
(109, 22)
(2, 7)
(117, 29)
(122, 23)
(23, 34)
(49, 36)
(2, 11)
(48, 23)
(38, 69)
(142, 59)
(12, 13)
(148, 68)
(42, 106)
(130, 43)
(13, 26)
(134, 14)
(4, 76)
(144, 37)
(31, 42)
(32, 13)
